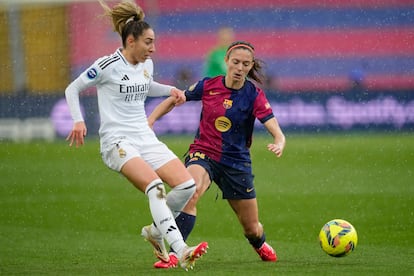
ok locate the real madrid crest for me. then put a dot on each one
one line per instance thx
(122, 153)
(146, 74)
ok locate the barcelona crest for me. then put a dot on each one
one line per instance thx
(227, 104)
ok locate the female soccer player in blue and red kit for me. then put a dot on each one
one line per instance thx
(221, 148)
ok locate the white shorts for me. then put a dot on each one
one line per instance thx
(155, 154)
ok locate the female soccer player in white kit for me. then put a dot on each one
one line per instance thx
(128, 145)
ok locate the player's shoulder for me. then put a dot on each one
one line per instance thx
(212, 83)
(251, 87)
(250, 84)
(149, 64)
(253, 91)
(213, 80)
(110, 61)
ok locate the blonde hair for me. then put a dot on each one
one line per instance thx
(122, 14)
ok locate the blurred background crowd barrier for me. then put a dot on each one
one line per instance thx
(330, 65)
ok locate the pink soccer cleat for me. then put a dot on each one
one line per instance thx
(267, 253)
(191, 254)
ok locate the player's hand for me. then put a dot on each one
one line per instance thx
(277, 148)
(77, 134)
(178, 95)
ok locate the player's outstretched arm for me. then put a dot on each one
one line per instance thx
(160, 110)
(279, 142)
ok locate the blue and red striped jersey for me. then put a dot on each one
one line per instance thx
(227, 120)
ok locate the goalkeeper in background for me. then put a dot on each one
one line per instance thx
(215, 64)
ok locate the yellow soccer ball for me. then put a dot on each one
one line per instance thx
(338, 238)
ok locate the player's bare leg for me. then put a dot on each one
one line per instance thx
(248, 215)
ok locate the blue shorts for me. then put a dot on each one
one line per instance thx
(234, 184)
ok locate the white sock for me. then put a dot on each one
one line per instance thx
(178, 197)
(162, 216)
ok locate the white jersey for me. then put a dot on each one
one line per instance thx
(122, 89)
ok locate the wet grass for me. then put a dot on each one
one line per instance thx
(63, 212)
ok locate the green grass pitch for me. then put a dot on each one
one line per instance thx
(62, 212)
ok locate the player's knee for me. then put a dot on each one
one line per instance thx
(201, 188)
(190, 207)
(196, 196)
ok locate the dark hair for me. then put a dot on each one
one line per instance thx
(136, 28)
(127, 18)
(256, 72)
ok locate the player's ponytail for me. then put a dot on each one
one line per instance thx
(127, 18)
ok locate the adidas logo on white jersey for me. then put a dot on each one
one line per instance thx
(125, 78)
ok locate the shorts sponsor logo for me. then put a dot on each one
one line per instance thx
(197, 154)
